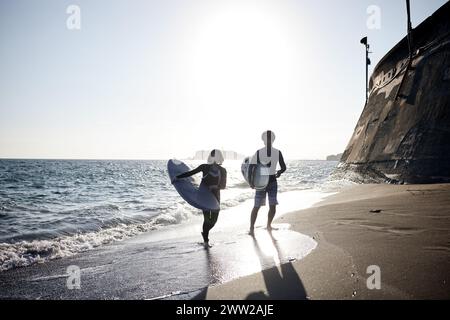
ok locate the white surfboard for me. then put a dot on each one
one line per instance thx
(259, 176)
(199, 197)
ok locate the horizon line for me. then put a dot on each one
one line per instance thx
(124, 159)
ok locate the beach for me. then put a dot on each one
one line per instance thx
(321, 252)
(140, 142)
(408, 238)
(166, 263)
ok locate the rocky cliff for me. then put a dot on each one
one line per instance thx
(403, 133)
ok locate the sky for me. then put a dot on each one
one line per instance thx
(138, 79)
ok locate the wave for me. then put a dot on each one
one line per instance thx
(26, 253)
(334, 185)
(88, 204)
(240, 185)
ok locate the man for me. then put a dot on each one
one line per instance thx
(270, 157)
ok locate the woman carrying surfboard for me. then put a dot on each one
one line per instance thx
(215, 178)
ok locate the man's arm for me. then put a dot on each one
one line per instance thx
(282, 165)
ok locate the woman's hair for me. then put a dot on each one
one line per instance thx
(215, 156)
(265, 135)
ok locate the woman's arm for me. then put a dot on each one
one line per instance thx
(191, 173)
(223, 179)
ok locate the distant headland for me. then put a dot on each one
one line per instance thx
(334, 157)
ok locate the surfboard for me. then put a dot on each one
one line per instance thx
(199, 197)
(260, 175)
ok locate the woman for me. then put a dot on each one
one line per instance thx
(215, 177)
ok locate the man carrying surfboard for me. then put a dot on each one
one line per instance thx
(270, 158)
(215, 178)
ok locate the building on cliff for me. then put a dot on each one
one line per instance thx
(229, 155)
(403, 133)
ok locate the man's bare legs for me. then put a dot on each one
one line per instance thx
(270, 216)
(253, 220)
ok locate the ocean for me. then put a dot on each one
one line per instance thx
(58, 208)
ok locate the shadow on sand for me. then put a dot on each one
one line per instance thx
(282, 282)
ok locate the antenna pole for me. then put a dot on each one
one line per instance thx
(410, 36)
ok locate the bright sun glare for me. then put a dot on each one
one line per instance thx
(240, 59)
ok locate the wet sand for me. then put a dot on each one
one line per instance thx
(170, 263)
(402, 229)
(322, 252)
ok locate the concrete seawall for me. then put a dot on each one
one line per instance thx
(403, 133)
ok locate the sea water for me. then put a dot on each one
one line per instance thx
(56, 208)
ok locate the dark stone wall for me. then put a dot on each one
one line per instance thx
(403, 135)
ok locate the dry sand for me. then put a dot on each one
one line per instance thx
(407, 235)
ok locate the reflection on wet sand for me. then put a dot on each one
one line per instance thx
(267, 252)
(282, 282)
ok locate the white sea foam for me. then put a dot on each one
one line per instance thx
(25, 253)
(86, 204)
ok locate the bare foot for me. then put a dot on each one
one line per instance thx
(207, 245)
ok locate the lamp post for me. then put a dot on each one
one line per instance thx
(364, 42)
